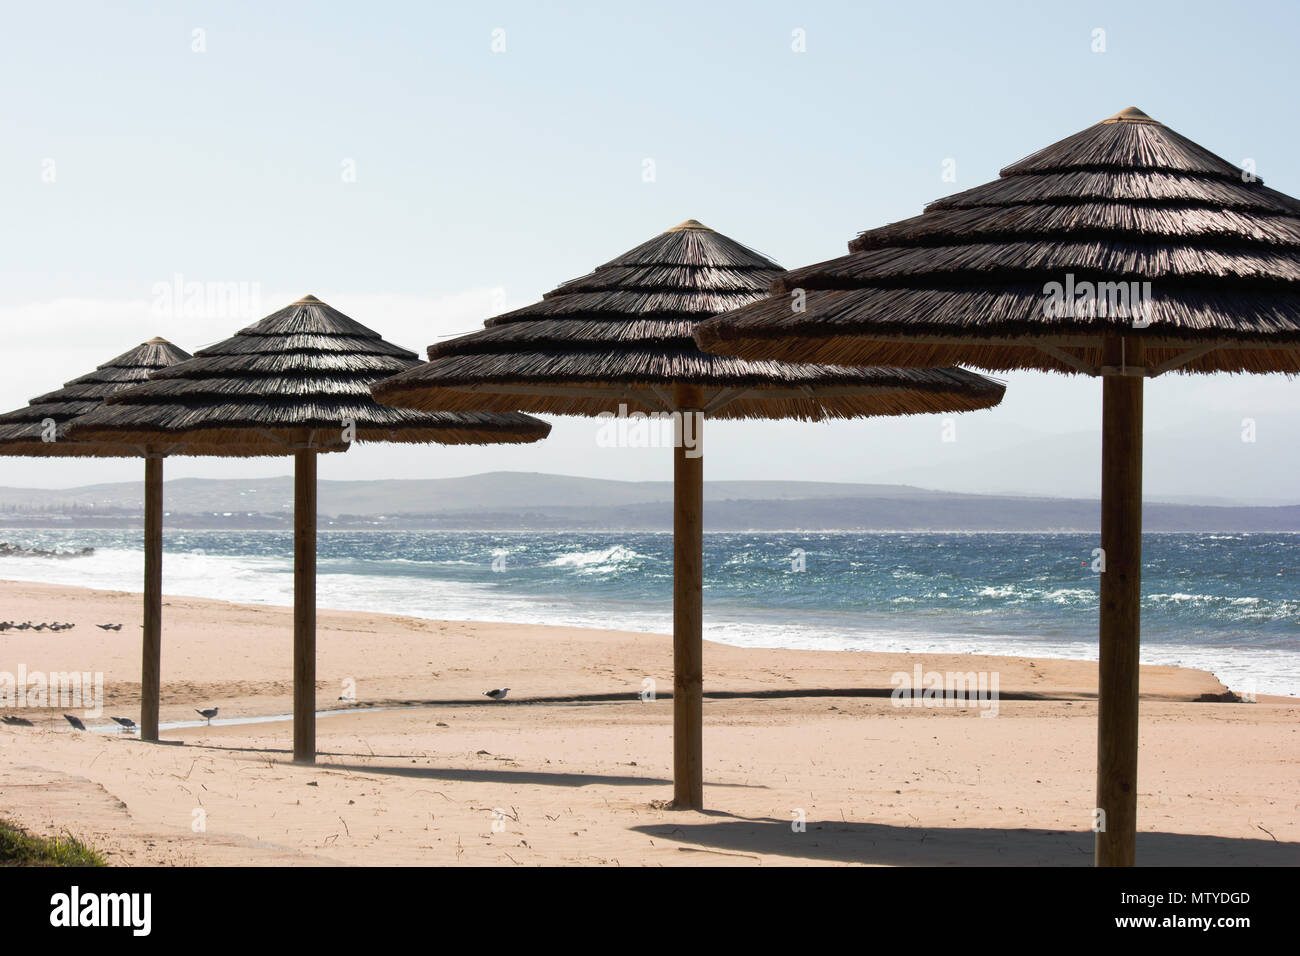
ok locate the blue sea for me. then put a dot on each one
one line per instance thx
(1221, 602)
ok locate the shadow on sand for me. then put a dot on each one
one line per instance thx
(836, 842)
(468, 775)
(499, 776)
(451, 773)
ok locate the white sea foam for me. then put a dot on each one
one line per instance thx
(599, 561)
(1069, 595)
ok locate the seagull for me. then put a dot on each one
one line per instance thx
(126, 722)
(498, 694)
(110, 627)
(75, 721)
(40, 627)
(15, 721)
(23, 626)
(209, 713)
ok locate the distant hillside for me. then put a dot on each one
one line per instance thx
(471, 493)
(515, 500)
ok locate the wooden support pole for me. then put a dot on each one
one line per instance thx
(304, 605)
(1121, 605)
(688, 603)
(151, 642)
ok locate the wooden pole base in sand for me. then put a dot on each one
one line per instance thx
(688, 606)
(304, 605)
(1121, 605)
(151, 654)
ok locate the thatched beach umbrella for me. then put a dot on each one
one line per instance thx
(619, 340)
(295, 383)
(40, 430)
(1124, 251)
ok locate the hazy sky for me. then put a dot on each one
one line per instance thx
(385, 157)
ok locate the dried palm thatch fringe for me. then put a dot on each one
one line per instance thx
(623, 336)
(297, 378)
(22, 430)
(1125, 201)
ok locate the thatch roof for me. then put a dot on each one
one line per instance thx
(291, 380)
(623, 335)
(21, 429)
(1125, 201)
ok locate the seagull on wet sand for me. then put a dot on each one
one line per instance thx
(209, 713)
(498, 694)
(126, 722)
(75, 721)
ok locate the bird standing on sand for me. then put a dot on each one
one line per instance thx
(126, 722)
(209, 713)
(75, 721)
(498, 694)
(110, 627)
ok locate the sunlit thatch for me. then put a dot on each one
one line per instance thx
(301, 376)
(622, 335)
(23, 431)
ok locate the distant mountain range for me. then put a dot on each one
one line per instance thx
(517, 500)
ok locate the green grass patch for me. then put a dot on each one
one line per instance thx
(20, 848)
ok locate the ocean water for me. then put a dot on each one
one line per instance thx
(1222, 602)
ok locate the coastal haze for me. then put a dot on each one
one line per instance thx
(524, 501)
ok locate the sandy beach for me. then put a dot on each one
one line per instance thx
(574, 767)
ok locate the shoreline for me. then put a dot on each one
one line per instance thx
(732, 623)
(14, 593)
